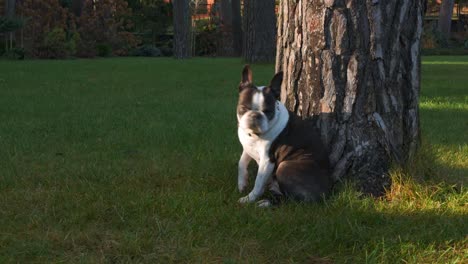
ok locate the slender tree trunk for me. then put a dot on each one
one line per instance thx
(182, 29)
(259, 23)
(226, 47)
(445, 18)
(353, 67)
(77, 7)
(10, 8)
(236, 27)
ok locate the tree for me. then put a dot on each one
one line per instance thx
(236, 27)
(353, 67)
(226, 47)
(231, 28)
(10, 8)
(259, 30)
(445, 19)
(182, 29)
(77, 7)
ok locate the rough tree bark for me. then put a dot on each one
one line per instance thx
(259, 22)
(182, 29)
(445, 18)
(353, 67)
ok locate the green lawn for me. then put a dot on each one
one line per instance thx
(135, 160)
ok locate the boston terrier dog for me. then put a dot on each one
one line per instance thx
(292, 161)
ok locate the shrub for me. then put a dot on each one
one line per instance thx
(56, 45)
(14, 54)
(151, 19)
(104, 50)
(207, 39)
(147, 51)
(105, 22)
(48, 27)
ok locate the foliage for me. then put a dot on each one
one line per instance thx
(14, 54)
(151, 19)
(11, 24)
(147, 51)
(105, 22)
(207, 37)
(442, 51)
(104, 28)
(123, 161)
(56, 45)
(103, 50)
(46, 33)
(432, 38)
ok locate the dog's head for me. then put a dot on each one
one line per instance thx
(258, 106)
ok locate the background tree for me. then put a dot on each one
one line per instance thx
(236, 27)
(354, 66)
(10, 8)
(151, 19)
(182, 29)
(226, 47)
(77, 7)
(445, 20)
(259, 23)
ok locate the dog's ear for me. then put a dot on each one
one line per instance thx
(247, 75)
(275, 84)
(246, 80)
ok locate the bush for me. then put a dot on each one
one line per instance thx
(53, 31)
(56, 45)
(105, 23)
(151, 19)
(14, 54)
(47, 29)
(445, 52)
(146, 51)
(167, 51)
(104, 50)
(207, 38)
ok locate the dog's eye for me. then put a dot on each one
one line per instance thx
(243, 109)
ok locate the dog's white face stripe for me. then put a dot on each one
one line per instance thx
(257, 101)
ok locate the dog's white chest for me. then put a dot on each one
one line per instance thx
(253, 145)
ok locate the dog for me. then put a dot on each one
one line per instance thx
(292, 160)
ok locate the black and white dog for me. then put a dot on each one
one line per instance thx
(291, 158)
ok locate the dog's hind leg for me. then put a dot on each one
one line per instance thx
(303, 180)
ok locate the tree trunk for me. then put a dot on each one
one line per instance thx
(226, 47)
(182, 29)
(445, 19)
(260, 31)
(10, 8)
(353, 67)
(236, 27)
(77, 7)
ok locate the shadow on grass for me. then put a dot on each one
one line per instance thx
(444, 146)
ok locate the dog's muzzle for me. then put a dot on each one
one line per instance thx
(255, 122)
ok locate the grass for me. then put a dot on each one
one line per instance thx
(134, 160)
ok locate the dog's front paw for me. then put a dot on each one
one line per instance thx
(247, 199)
